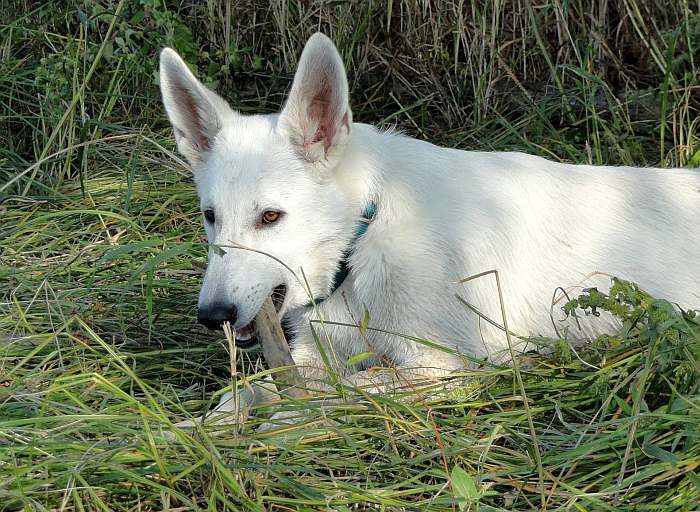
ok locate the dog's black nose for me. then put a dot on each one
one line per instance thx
(215, 315)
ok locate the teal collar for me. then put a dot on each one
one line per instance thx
(368, 215)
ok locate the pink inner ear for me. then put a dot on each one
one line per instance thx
(320, 111)
(193, 118)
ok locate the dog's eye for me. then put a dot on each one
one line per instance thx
(271, 216)
(209, 216)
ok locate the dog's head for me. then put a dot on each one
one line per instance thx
(269, 198)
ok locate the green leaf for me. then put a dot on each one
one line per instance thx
(138, 17)
(694, 160)
(695, 479)
(122, 250)
(218, 250)
(358, 358)
(149, 296)
(153, 263)
(364, 323)
(465, 488)
(660, 454)
(108, 50)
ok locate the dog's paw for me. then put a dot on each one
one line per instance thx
(233, 409)
(282, 420)
(298, 422)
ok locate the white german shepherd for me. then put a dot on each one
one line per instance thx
(386, 224)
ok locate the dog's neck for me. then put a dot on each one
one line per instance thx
(343, 269)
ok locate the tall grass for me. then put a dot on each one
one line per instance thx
(99, 349)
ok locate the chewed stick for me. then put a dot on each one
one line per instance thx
(276, 351)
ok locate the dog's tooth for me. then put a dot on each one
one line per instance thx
(244, 333)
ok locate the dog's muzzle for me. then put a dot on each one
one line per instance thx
(216, 314)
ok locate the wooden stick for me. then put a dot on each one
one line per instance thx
(276, 351)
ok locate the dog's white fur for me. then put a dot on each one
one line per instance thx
(442, 215)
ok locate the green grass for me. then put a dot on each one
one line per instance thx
(99, 349)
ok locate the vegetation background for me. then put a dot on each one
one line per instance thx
(99, 349)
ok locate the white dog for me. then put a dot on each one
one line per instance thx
(386, 226)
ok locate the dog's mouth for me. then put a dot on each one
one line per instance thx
(245, 336)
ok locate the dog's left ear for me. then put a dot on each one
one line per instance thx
(317, 116)
(195, 112)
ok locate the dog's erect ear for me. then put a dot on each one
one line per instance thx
(317, 116)
(195, 112)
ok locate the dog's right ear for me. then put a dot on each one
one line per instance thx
(195, 112)
(317, 116)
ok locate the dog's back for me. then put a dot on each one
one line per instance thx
(450, 214)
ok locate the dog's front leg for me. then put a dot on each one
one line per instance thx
(235, 406)
(374, 381)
